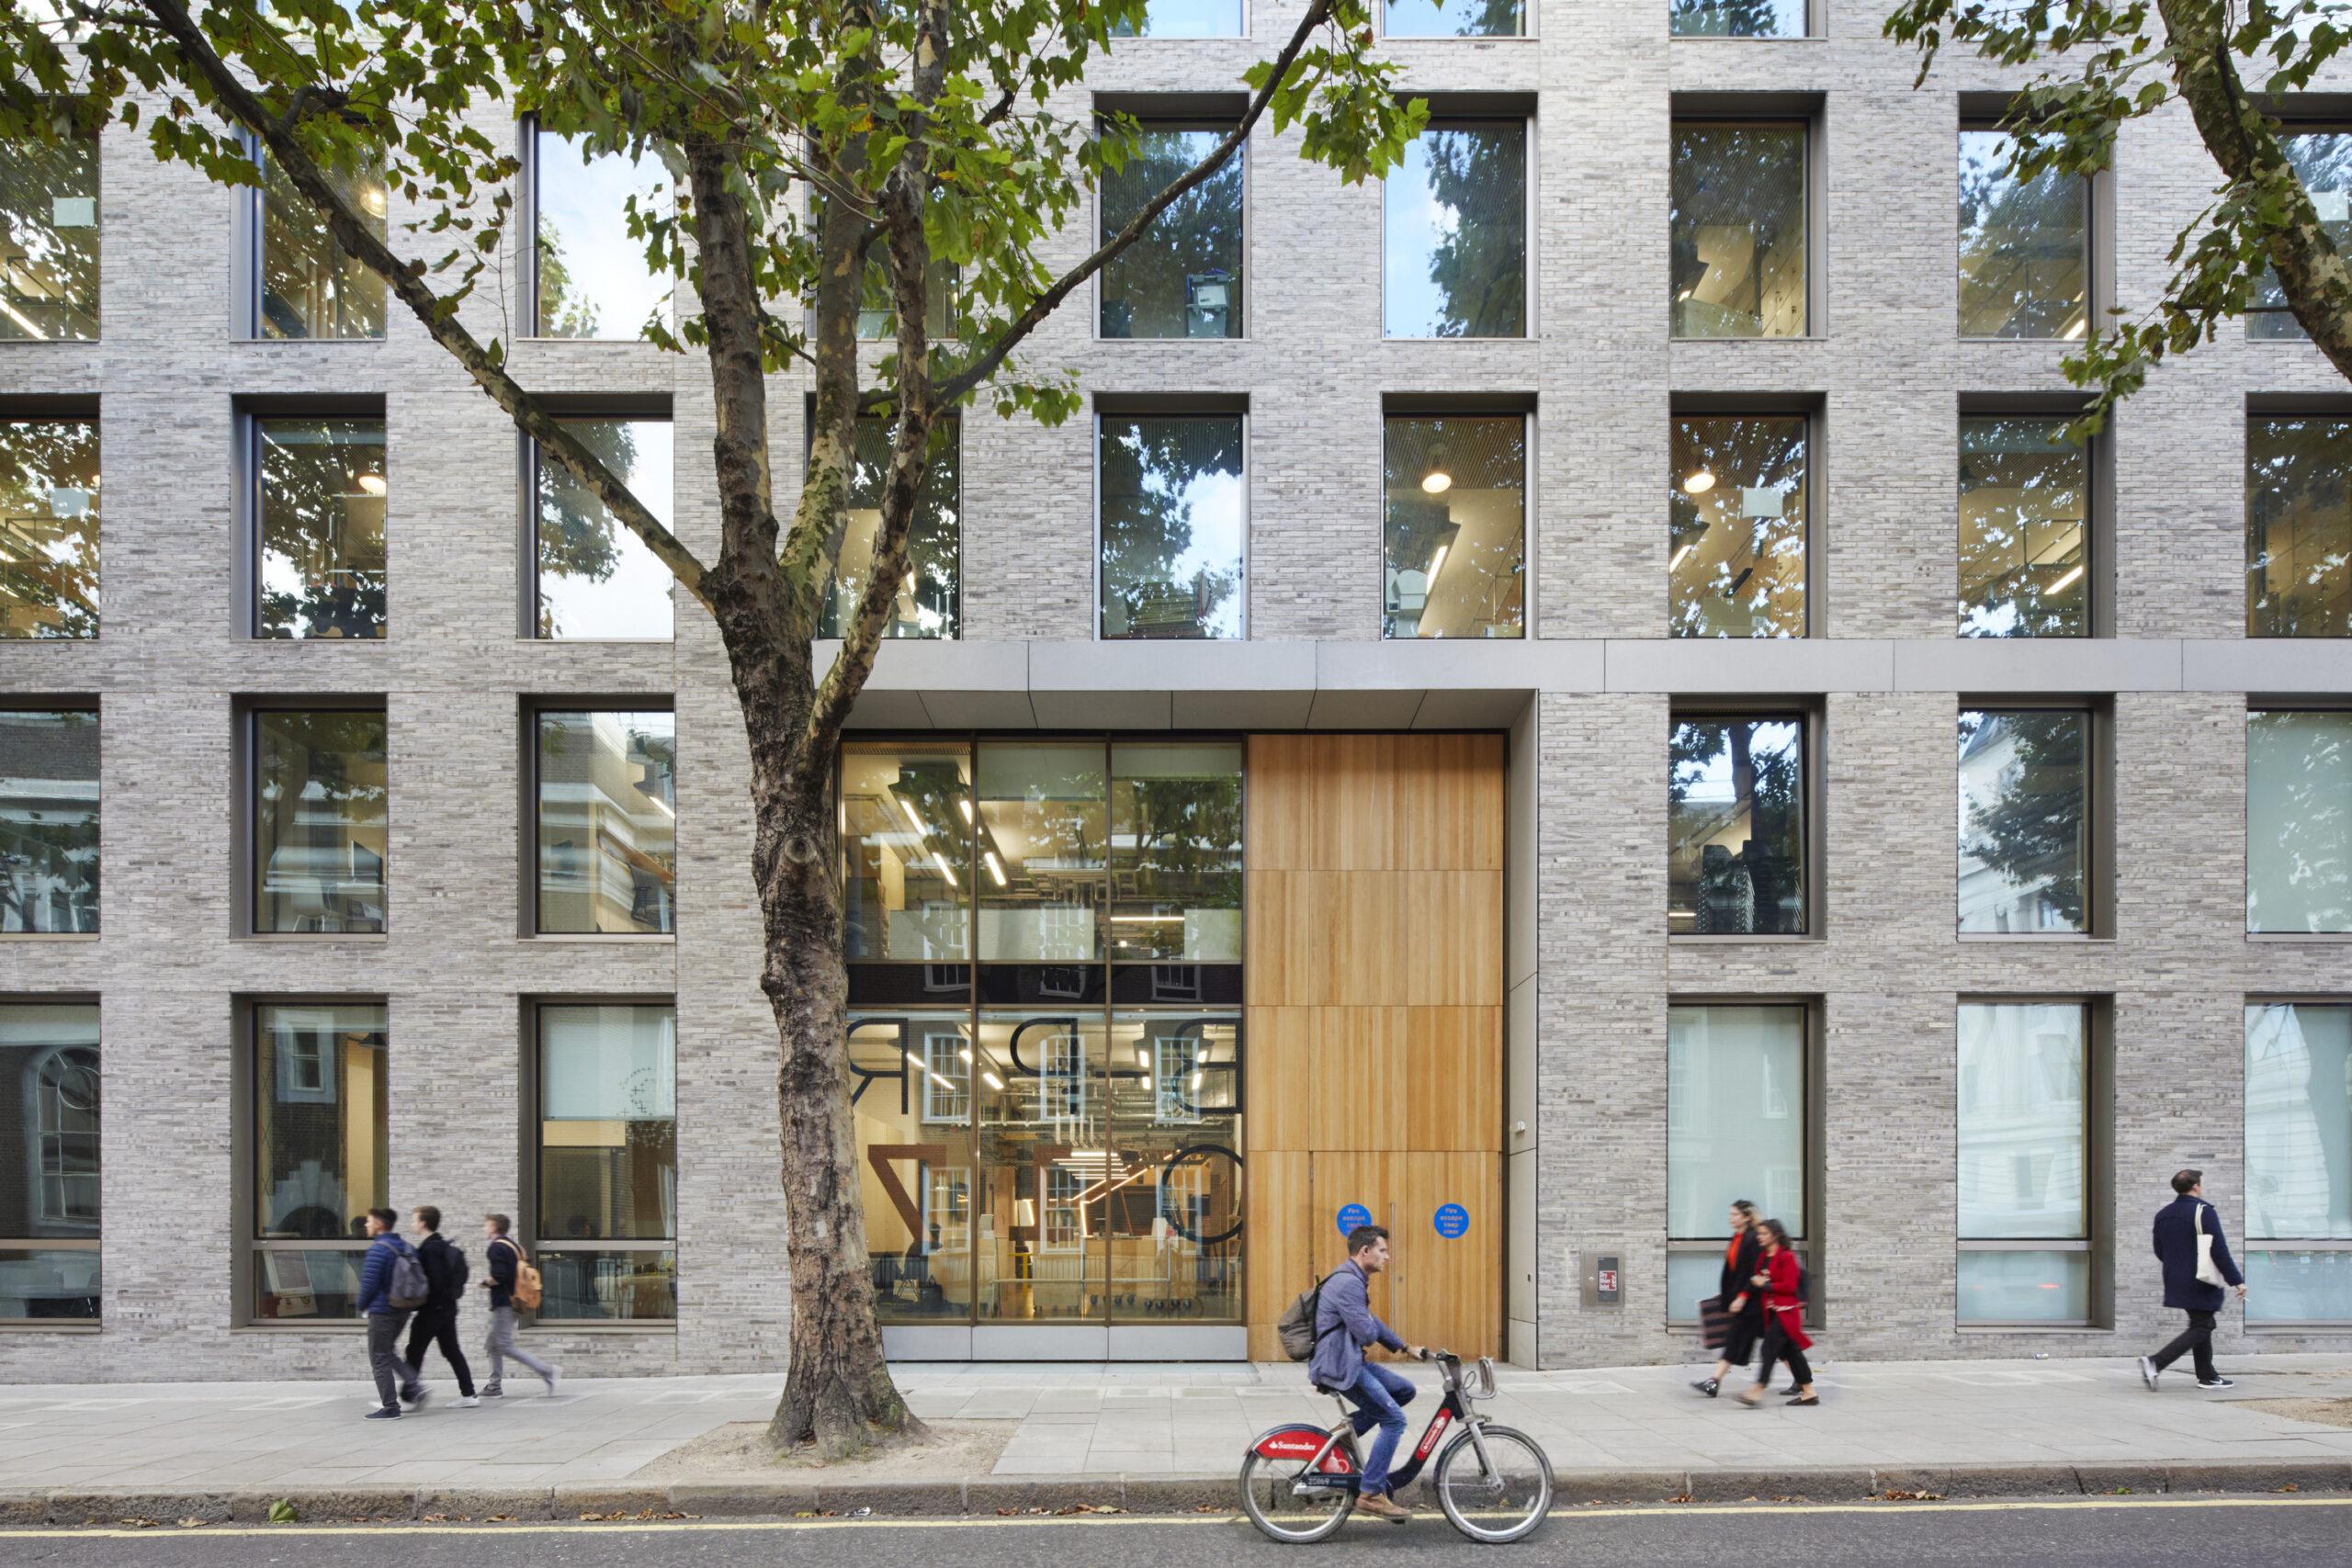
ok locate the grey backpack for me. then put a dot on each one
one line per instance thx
(1296, 1327)
(407, 1290)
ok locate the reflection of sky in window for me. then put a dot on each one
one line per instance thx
(632, 605)
(1213, 504)
(1450, 18)
(582, 204)
(1191, 18)
(1414, 223)
(1708, 781)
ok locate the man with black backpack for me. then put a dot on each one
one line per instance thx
(436, 1320)
(391, 1285)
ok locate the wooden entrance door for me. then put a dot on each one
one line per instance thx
(1442, 1288)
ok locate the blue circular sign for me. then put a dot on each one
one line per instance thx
(1351, 1215)
(1453, 1220)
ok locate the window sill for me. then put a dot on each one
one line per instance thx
(2322, 938)
(356, 1328)
(1720, 37)
(1730, 939)
(2052, 938)
(2315, 1325)
(598, 642)
(369, 938)
(51, 1326)
(657, 939)
(305, 342)
(48, 936)
(539, 1329)
(2010, 1330)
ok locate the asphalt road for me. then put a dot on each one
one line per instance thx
(2143, 1533)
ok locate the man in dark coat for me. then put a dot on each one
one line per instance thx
(1741, 1303)
(2178, 1224)
(436, 1320)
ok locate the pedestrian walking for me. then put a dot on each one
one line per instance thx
(506, 1259)
(436, 1320)
(391, 1285)
(1782, 1279)
(2196, 1264)
(1741, 1303)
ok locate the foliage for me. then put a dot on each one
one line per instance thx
(2031, 830)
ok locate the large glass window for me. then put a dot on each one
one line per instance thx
(1044, 846)
(1735, 826)
(2024, 851)
(310, 287)
(912, 1078)
(321, 824)
(2025, 1254)
(2298, 1162)
(1175, 514)
(49, 1207)
(1175, 853)
(597, 581)
(2323, 161)
(1185, 19)
(49, 528)
(930, 603)
(592, 276)
(1734, 1130)
(1453, 234)
(1736, 511)
(2024, 546)
(2298, 821)
(1183, 277)
(1734, 18)
(608, 1162)
(322, 1154)
(1455, 530)
(1737, 230)
(906, 843)
(49, 821)
(321, 504)
(1454, 18)
(48, 239)
(2024, 245)
(2299, 526)
(608, 822)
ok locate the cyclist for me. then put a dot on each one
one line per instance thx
(1344, 1330)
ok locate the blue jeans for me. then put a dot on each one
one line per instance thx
(1380, 1396)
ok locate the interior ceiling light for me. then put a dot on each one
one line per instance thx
(1699, 483)
(1437, 482)
(372, 483)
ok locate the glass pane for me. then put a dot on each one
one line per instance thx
(307, 1283)
(321, 1120)
(2299, 1287)
(1735, 826)
(1735, 1119)
(319, 828)
(2025, 1287)
(310, 288)
(1454, 19)
(1041, 843)
(2024, 495)
(906, 827)
(609, 1155)
(1045, 1166)
(1183, 277)
(576, 1285)
(2298, 527)
(1735, 18)
(2323, 161)
(45, 1283)
(48, 239)
(1176, 852)
(1185, 19)
(1172, 1206)
(597, 581)
(1691, 1277)
(1736, 232)
(2298, 821)
(2022, 245)
(49, 528)
(49, 1066)
(48, 821)
(930, 603)
(2021, 1121)
(2022, 855)
(322, 527)
(1735, 510)
(593, 280)
(1454, 234)
(608, 822)
(1456, 527)
(912, 1083)
(2297, 1122)
(1173, 516)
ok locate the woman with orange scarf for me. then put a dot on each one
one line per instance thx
(1777, 1274)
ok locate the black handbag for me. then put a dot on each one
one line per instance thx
(1715, 1323)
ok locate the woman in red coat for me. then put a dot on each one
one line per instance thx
(1776, 1275)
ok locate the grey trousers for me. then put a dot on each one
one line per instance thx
(502, 1346)
(393, 1374)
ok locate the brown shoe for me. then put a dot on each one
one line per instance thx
(1381, 1506)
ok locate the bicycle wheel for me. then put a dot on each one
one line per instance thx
(1502, 1499)
(1271, 1496)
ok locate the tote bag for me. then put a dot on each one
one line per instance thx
(2208, 1271)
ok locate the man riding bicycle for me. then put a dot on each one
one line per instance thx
(1344, 1330)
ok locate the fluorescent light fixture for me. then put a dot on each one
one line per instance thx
(965, 1051)
(2065, 580)
(1681, 555)
(921, 826)
(1201, 1055)
(991, 1080)
(1437, 564)
(1196, 1083)
(1699, 483)
(941, 862)
(1143, 1057)
(995, 870)
(964, 804)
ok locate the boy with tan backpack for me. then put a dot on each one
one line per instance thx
(512, 1284)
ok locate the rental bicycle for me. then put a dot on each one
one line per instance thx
(1299, 1482)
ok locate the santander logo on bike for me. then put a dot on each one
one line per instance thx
(1291, 1445)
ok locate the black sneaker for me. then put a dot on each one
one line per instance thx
(1709, 1386)
(383, 1413)
(2217, 1383)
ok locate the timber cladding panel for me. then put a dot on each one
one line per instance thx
(1374, 1022)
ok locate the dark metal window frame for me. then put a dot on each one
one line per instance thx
(1812, 715)
(528, 806)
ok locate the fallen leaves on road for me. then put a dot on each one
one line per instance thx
(1896, 1495)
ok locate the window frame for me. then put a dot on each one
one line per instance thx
(527, 804)
(1529, 13)
(245, 818)
(1814, 30)
(246, 459)
(2247, 1244)
(1453, 109)
(1813, 410)
(1170, 406)
(2099, 510)
(1985, 112)
(1185, 112)
(92, 705)
(247, 230)
(93, 1242)
(2297, 114)
(634, 407)
(1500, 405)
(954, 420)
(1248, 32)
(1813, 718)
(2264, 407)
(2266, 702)
(1807, 112)
(2098, 812)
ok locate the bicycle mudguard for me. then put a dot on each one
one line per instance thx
(1303, 1443)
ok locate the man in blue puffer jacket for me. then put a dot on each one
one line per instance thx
(385, 1321)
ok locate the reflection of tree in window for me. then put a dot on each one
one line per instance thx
(2299, 822)
(1734, 798)
(608, 822)
(2024, 495)
(2323, 161)
(2021, 843)
(66, 1109)
(1735, 509)
(1175, 855)
(1735, 18)
(1171, 527)
(2299, 527)
(1183, 278)
(322, 533)
(49, 528)
(321, 823)
(596, 580)
(48, 239)
(1454, 19)
(1455, 527)
(1456, 221)
(2022, 271)
(1736, 232)
(310, 287)
(48, 821)
(930, 603)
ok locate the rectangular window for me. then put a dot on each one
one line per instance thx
(321, 824)
(597, 582)
(1183, 277)
(1042, 836)
(322, 1154)
(2299, 526)
(2323, 161)
(2024, 849)
(2024, 245)
(49, 821)
(1455, 531)
(2298, 1162)
(1454, 18)
(1735, 509)
(2299, 822)
(911, 1097)
(319, 501)
(1735, 826)
(2024, 534)
(592, 277)
(2025, 1246)
(49, 240)
(1175, 512)
(49, 1211)
(608, 822)
(1735, 1131)
(906, 846)
(1453, 233)
(1735, 18)
(930, 601)
(1737, 230)
(1175, 853)
(608, 1163)
(1185, 19)
(49, 528)
(308, 287)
